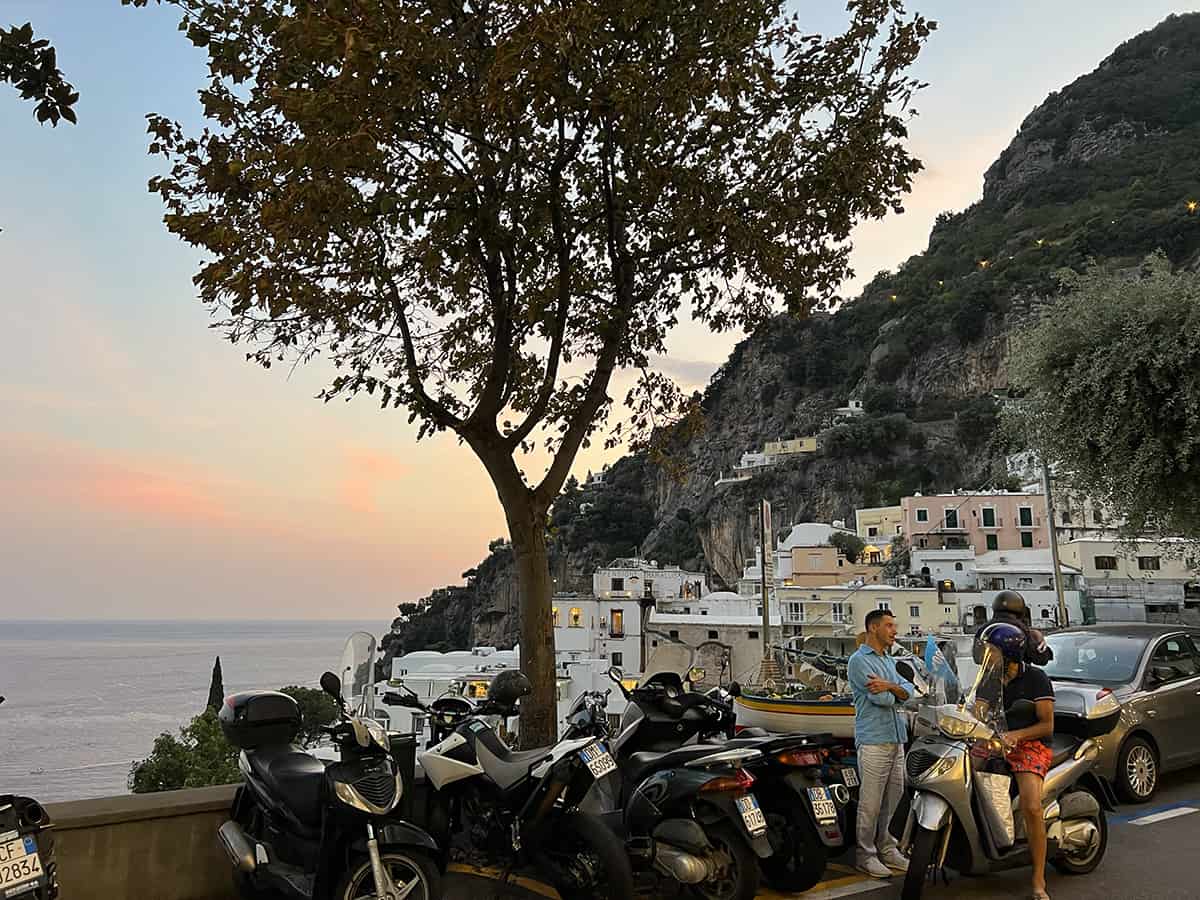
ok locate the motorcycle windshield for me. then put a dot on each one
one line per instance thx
(358, 676)
(985, 699)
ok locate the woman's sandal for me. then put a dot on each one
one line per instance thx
(1039, 895)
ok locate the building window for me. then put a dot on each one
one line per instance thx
(885, 605)
(616, 627)
(839, 613)
(649, 587)
(1026, 538)
(1105, 563)
(712, 635)
(952, 518)
(1149, 563)
(1045, 613)
(673, 634)
(575, 619)
(618, 658)
(993, 542)
(554, 618)
(914, 612)
(922, 515)
(618, 584)
(1066, 517)
(654, 643)
(872, 531)
(958, 567)
(923, 543)
(899, 529)
(989, 517)
(753, 635)
(814, 562)
(1025, 516)
(1098, 517)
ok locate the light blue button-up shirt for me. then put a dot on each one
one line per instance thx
(876, 718)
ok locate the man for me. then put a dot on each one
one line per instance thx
(880, 733)
(1009, 606)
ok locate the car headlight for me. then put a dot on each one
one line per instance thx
(954, 727)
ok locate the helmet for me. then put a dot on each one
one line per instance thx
(1007, 638)
(509, 686)
(1009, 602)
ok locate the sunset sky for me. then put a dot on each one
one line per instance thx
(148, 471)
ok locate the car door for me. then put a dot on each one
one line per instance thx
(1171, 681)
(1191, 749)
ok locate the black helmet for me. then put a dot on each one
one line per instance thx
(1009, 602)
(1007, 638)
(508, 687)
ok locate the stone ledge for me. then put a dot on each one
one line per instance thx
(79, 814)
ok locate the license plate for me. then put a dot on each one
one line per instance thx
(599, 761)
(823, 807)
(19, 864)
(752, 814)
(850, 777)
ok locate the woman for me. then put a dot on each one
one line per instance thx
(1026, 751)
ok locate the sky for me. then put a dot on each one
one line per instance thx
(148, 471)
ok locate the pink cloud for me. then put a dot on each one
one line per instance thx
(367, 470)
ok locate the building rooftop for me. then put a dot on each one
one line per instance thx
(1000, 562)
(810, 534)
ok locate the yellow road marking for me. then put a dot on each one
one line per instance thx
(529, 884)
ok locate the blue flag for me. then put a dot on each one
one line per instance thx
(936, 664)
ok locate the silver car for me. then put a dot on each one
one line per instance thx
(1154, 670)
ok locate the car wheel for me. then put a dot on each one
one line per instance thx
(1137, 771)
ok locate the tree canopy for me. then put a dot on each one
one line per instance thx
(199, 757)
(1113, 380)
(479, 211)
(31, 66)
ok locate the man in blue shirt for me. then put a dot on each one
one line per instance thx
(880, 733)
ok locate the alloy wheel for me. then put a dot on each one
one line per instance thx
(1141, 771)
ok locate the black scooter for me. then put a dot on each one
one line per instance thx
(313, 831)
(27, 865)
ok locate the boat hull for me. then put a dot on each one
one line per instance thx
(796, 716)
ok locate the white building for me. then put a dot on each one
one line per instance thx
(851, 410)
(645, 579)
(956, 565)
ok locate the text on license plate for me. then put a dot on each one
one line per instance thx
(19, 862)
(752, 814)
(599, 760)
(823, 807)
(850, 776)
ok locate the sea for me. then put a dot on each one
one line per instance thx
(84, 700)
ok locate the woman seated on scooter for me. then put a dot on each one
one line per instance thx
(1026, 751)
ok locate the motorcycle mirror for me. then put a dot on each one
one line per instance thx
(615, 674)
(332, 685)
(696, 674)
(735, 689)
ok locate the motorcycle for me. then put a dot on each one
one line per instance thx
(656, 737)
(315, 831)
(960, 804)
(27, 864)
(519, 807)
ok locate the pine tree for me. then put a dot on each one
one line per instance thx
(216, 690)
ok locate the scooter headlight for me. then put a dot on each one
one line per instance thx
(956, 727)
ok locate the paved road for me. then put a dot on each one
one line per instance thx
(1153, 854)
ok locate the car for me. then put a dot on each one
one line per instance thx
(1154, 671)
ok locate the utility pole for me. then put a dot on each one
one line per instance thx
(766, 544)
(1063, 616)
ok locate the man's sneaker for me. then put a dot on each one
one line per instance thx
(895, 860)
(874, 868)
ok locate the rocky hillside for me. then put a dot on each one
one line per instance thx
(1103, 169)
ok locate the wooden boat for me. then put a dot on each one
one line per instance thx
(804, 713)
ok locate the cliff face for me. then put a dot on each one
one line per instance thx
(1101, 170)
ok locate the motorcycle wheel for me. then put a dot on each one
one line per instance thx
(586, 860)
(1082, 864)
(919, 861)
(800, 862)
(738, 876)
(403, 867)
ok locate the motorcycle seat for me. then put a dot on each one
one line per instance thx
(1061, 748)
(293, 777)
(637, 766)
(504, 766)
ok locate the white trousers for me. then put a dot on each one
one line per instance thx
(881, 777)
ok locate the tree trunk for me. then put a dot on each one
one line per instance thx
(539, 712)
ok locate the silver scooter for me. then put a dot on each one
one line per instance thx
(960, 814)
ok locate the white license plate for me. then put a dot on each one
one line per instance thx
(19, 864)
(599, 761)
(823, 807)
(752, 814)
(850, 777)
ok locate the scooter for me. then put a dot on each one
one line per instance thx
(519, 807)
(27, 865)
(312, 831)
(958, 813)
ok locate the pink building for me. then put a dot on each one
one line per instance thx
(999, 521)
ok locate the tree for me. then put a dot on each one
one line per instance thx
(199, 757)
(978, 423)
(31, 66)
(316, 709)
(480, 211)
(850, 545)
(1112, 375)
(899, 559)
(216, 689)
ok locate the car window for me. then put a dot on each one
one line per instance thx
(1091, 657)
(1173, 658)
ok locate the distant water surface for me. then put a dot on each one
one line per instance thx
(85, 699)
